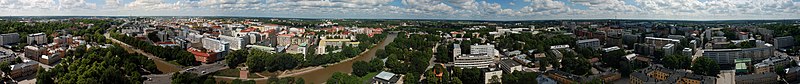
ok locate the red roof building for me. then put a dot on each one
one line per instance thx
(202, 56)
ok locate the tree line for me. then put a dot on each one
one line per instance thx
(99, 65)
(181, 56)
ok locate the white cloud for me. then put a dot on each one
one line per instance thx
(75, 5)
(543, 7)
(423, 9)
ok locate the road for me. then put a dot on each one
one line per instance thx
(164, 66)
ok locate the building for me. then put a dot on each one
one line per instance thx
(564, 77)
(661, 42)
(768, 65)
(284, 39)
(742, 65)
(214, 45)
(791, 74)
(487, 49)
(37, 39)
(324, 43)
(9, 38)
(26, 68)
(7, 56)
(387, 78)
(33, 52)
(668, 49)
(204, 56)
(758, 78)
(657, 74)
(589, 43)
(510, 66)
(473, 61)
(727, 56)
(493, 77)
(236, 43)
(456, 50)
(50, 59)
(782, 42)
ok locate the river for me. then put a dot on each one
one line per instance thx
(322, 75)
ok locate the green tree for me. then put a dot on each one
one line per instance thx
(677, 62)
(234, 58)
(411, 78)
(360, 68)
(5, 67)
(612, 58)
(471, 76)
(342, 78)
(579, 66)
(705, 66)
(519, 77)
(283, 62)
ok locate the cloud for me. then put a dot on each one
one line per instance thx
(75, 5)
(419, 9)
(543, 7)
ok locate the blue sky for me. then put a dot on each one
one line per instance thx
(417, 9)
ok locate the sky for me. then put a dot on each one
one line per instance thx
(418, 9)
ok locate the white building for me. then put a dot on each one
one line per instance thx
(473, 61)
(487, 49)
(727, 56)
(589, 43)
(236, 43)
(214, 45)
(37, 38)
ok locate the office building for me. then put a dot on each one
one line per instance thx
(589, 43)
(9, 38)
(510, 66)
(727, 56)
(214, 45)
(668, 49)
(782, 42)
(487, 49)
(236, 43)
(37, 39)
(473, 61)
(661, 42)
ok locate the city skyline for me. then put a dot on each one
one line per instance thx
(418, 9)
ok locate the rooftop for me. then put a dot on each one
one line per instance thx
(385, 75)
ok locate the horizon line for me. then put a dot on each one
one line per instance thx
(451, 19)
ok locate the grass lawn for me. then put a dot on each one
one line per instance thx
(234, 73)
(227, 72)
(369, 76)
(175, 62)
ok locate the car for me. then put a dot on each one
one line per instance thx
(203, 72)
